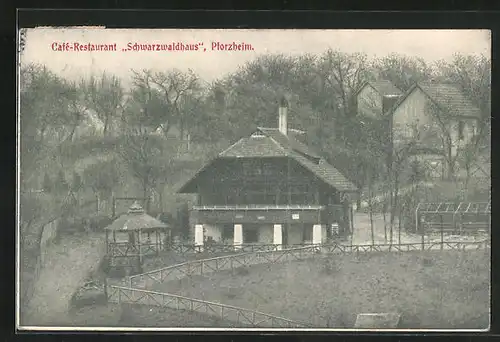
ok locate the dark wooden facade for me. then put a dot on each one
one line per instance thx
(272, 189)
(262, 181)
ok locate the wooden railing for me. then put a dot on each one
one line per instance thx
(228, 262)
(240, 316)
(259, 207)
(126, 249)
(408, 247)
(231, 262)
(228, 248)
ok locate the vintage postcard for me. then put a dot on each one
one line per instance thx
(253, 179)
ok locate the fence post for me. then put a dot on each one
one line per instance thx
(442, 231)
(423, 235)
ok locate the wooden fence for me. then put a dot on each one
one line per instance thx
(239, 316)
(227, 248)
(233, 261)
(28, 282)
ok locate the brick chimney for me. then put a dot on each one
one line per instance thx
(283, 116)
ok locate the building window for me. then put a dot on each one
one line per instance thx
(461, 125)
(228, 232)
(250, 235)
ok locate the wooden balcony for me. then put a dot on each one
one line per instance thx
(313, 214)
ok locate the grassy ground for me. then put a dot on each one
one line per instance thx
(435, 290)
(126, 315)
(145, 316)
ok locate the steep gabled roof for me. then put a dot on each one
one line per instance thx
(327, 173)
(450, 97)
(270, 142)
(446, 96)
(289, 141)
(383, 87)
(254, 146)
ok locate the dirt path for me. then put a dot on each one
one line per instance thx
(66, 266)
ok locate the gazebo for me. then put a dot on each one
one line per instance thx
(133, 235)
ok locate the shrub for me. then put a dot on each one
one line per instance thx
(92, 293)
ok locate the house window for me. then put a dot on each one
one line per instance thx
(461, 125)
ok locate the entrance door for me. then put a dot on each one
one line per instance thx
(284, 236)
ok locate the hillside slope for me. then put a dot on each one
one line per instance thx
(67, 264)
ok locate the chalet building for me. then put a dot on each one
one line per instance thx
(376, 98)
(269, 188)
(431, 113)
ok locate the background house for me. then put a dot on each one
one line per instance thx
(375, 98)
(438, 121)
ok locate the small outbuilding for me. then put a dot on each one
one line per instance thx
(133, 235)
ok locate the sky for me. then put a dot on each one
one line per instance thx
(211, 64)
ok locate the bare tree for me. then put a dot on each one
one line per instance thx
(76, 107)
(102, 178)
(405, 144)
(444, 133)
(180, 91)
(344, 73)
(104, 95)
(147, 154)
(472, 73)
(403, 71)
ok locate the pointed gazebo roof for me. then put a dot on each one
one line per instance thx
(136, 219)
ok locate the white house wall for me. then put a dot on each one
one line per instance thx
(411, 112)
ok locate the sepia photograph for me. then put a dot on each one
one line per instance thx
(241, 179)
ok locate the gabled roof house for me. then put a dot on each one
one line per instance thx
(268, 188)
